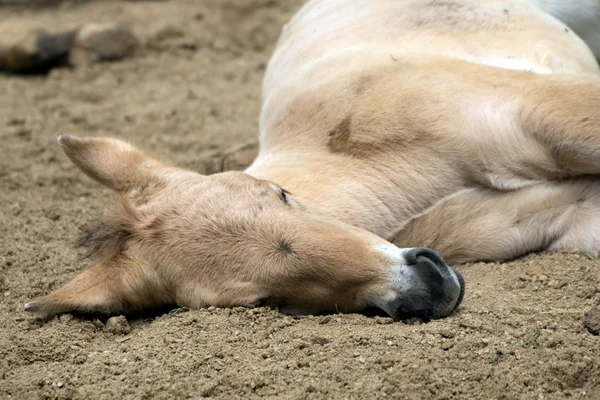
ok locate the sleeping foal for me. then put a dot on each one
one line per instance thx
(467, 126)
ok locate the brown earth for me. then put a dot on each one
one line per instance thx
(189, 96)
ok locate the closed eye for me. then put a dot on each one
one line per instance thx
(284, 194)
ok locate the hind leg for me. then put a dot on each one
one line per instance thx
(486, 224)
(534, 129)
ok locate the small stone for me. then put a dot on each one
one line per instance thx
(212, 308)
(319, 340)
(447, 334)
(165, 37)
(97, 323)
(118, 325)
(103, 42)
(66, 318)
(542, 278)
(168, 32)
(592, 321)
(29, 47)
(554, 283)
(447, 345)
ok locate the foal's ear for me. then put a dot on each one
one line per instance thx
(112, 162)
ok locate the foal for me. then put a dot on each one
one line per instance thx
(466, 126)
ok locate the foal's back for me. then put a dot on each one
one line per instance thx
(342, 35)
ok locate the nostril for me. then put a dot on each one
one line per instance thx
(413, 256)
(424, 285)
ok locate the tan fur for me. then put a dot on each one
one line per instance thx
(499, 225)
(468, 126)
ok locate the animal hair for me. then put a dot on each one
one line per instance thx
(109, 237)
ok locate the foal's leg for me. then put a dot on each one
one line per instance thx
(528, 128)
(488, 224)
(564, 116)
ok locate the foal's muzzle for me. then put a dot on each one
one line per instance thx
(423, 286)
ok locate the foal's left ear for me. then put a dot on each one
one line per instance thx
(112, 162)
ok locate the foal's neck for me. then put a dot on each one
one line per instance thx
(362, 194)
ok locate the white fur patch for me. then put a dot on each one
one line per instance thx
(505, 63)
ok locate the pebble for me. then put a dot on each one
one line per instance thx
(29, 47)
(118, 325)
(319, 340)
(66, 317)
(97, 323)
(554, 283)
(447, 344)
(169, 32)
(103, 42)
(592, 321)
(447, 333)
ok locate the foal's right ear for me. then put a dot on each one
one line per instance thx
(112, 162)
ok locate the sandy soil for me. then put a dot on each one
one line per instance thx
(190, 96)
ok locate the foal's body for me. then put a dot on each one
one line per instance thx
(442, 124)
(467, 126)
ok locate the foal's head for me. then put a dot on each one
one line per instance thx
(178, 237)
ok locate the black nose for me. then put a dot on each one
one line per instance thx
(414, 256)
(438, 290)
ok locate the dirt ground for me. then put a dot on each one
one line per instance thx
(190, 96)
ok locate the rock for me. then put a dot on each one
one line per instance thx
(27, 47)
(28, 2)
(447, 345)
(66, 318)
(117, 325)
(319, 340)
(168, 32)
(103, 42)
(171, 37)
(97, 323)
(592, 321)
(447, 333)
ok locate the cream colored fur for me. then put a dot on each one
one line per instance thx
(390, 107)
(468, 126)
